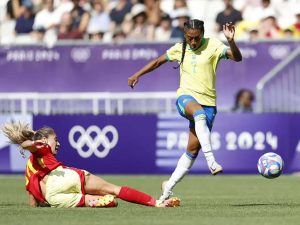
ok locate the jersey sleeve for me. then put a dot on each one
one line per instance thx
(221, 49)
(174, 53)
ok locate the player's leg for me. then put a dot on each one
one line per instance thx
(203, 123)
(184, 164)
(97, 186)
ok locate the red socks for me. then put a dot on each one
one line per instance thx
(131, 195)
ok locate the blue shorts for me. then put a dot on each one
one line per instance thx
(210, 111)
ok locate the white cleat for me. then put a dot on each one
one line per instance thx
(171, 202)
(215, 168)
(166, 194)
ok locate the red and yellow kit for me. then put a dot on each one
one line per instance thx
(64, 185)
(38, 165)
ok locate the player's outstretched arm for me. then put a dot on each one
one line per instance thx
(32, 146)
(234, 52)
(133, 80)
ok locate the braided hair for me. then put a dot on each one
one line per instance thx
(190, 24)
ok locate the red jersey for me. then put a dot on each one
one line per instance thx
(39, 164)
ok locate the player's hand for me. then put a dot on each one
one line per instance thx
(229, 31)
(38, 144)
(132, 81)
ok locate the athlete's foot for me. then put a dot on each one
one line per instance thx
(106, 201)
(215, 168)
(166, 194)
(171, 202)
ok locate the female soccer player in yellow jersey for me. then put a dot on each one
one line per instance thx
(198, 58)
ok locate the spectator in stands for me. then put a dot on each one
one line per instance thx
(39, 35)
(80, 17)
(46, 21)
(164, 30)
(289, 33)
(66, 31)
(46, 18)
(180, 4)
(181, 15)
(24, 22)
(7, 22)
(140, 29)
(253, 34)
(265, 7)
(283, 11)
(248, 7)
(99, 21)
(268, 27)
(296, 25)
(229, 14)
(243, 101)
(119, 35)
(13, 8)
(247, 30)
(153, 11)
(62, 7)
(118, 13)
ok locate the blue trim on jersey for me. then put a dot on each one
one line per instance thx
(209, 111)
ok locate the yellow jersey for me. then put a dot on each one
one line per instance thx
(198, 70)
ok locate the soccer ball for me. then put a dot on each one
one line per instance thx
(270, 165)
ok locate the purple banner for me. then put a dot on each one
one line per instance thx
(105, 144)
(152, 144)
(238, 140)
(106, 68)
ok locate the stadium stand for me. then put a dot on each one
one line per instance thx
(101, 19)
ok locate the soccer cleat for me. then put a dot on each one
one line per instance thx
(106, 201)
(171, 202)
(166, 194)
(215, 168)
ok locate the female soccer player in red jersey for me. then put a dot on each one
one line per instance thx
(50, 183)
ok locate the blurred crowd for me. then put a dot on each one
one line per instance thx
(33, 21)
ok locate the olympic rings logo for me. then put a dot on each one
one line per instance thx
(96, 140)
(278, 52)
(80, 55)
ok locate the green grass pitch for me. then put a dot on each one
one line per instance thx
(224, 200)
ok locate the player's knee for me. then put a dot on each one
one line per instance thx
(193, 150)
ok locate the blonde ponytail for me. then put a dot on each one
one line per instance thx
(17, 133)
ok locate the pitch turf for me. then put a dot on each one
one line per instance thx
(224, 200)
